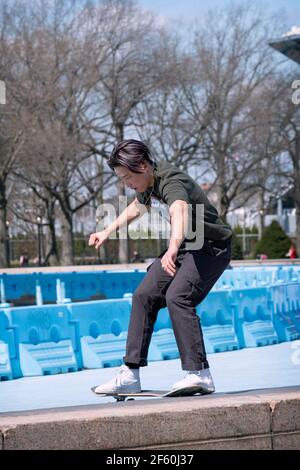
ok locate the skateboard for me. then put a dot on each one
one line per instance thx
(180, 392)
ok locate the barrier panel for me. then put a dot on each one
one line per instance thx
(116, 284)
(163, 346)
(293, 296)
(99, 326)
(6, 348)
(45, 340)
(103, 351)
(253, 317)
(216, 314)
(284, 311)
(19, 288)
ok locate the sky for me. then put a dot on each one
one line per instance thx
(191, 9)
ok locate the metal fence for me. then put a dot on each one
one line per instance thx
(138, 251)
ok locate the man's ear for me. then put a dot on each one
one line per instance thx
(143, 166)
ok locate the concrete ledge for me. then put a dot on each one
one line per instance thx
(260, 419)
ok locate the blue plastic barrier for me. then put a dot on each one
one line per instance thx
(217, 322)
(45, 340)
(293, 297)
(19, 287)
(90, 286)
(226, 281)
(101, 316)
(6, 348)
(95, 285)
(163, 346)
(253, 317)
(283, 312)
(48, 282)
(163, 320)
(103, 351)
(5, 367)
(98, 322)
(245, 277)
(80, 286)
(116, 284)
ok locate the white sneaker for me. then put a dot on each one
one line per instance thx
(197, 378)
(126, 381)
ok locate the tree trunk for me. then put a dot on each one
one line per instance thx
(4, 261)
(222, 198)
(67, 249)
(52, 256)
(123, 242)
(3, 240)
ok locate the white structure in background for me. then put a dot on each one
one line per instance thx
(248, 217)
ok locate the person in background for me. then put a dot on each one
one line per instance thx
(136, 257)
(292, 253)
(24, 260)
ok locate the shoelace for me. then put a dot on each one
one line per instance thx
(121, 372)
(206, 380)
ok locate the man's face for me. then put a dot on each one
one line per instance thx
(137, 181)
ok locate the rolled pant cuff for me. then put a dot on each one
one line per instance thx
(195, 366)
(140, 363)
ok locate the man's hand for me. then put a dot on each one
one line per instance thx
(97, 239)
(168, 261)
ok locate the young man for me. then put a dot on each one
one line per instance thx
(180, 278)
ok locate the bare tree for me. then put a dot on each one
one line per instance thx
(11, 134)
(287, 162)
(203, 116)
(233, 60)
(130, 73)
(166, 118)
(57, 96)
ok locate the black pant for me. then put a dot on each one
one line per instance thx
(196, 273)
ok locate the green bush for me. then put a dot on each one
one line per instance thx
(274, 242)
(239, 230)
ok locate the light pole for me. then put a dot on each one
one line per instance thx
(7, 244)
(39, 224)
(244, 231)
(260, 223)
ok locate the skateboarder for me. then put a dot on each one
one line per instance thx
(180, 278)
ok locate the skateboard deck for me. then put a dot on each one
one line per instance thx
(181, 392)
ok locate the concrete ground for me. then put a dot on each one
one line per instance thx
(248, 369)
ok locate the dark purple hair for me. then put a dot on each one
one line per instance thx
(130, 154)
